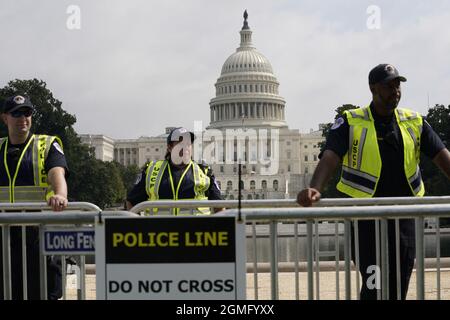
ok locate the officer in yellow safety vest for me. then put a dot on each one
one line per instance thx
(379, 147)
(33, 169)
(177, 177)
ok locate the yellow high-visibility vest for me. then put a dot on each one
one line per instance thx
(39, 146)
(361, 167)
(154, 174)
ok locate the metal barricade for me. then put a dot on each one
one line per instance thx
(307, 275)
(349, 266)
(25, 215)
(350, 214)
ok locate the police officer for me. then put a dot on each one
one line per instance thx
(379, 147)
(33, 169)
(177, 177)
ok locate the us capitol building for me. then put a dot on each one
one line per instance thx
(247, 125)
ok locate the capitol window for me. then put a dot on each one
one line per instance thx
(275, 185)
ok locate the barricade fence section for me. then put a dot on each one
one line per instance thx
(292, 252)
(301, 277)
(35, 238)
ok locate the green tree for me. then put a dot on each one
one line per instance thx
(50, 118)
(330, 190)
(90, 180)
(436, 183)
(128, 174)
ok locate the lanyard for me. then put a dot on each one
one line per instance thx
(19, 162)
(175, 193)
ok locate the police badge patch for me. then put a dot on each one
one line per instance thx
(216, 184)
(58, 147)
(339, 121)
(138, 178)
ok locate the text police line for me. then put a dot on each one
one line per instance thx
(170, 239)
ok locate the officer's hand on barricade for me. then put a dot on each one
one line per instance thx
(308, 196)
(57, 202)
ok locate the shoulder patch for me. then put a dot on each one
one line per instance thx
(58, 147)
(339, 121)
(138, 178)
(216, 184)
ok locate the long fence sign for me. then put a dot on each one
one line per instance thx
(68, 241)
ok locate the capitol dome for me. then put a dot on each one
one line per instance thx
(247, 89)
(246, 61)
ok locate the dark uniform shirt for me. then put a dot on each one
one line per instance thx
(392, 182)
(55, 158)
(138, 193)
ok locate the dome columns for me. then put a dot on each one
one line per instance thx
(247, 110)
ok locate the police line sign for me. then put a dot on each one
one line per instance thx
(184, 257)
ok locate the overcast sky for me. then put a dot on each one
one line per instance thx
(136, 67)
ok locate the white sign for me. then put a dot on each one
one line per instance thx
(177, 258)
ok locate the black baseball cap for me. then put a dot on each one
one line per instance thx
(177, 133)
(383, 73)
(16, 102)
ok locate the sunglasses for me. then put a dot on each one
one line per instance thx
(19, 113)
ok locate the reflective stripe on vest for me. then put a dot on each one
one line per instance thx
(40, 191)
(361, 167)
(153, 179)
